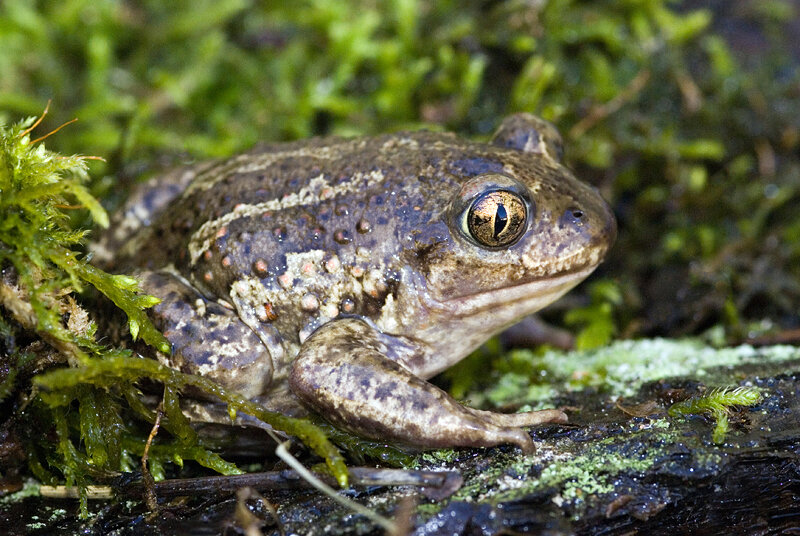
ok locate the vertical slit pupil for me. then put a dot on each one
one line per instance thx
(500, 219)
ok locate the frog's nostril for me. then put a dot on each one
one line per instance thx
(574, 216)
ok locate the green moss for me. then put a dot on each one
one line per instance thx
(597, 322)
(149, 80)
(718, 404)
(534, 379)
(577, 474)
(93, 405)
(363, 451)
(36, 238)
(120, 369)
(438, 457)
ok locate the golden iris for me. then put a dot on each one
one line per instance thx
(497, 218)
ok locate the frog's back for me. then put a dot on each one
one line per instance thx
(330, 194)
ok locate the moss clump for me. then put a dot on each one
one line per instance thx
(717, 404)
(85, 421)
(37, 186)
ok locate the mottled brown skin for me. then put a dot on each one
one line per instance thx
(339, 275)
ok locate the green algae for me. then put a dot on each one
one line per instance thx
(622, 368)
(576, 471)
(30, 488)
(536, 379)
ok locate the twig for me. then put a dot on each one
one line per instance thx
(790, 336)
(73, 492)
(147, 478)
(292, 462)
(435, 485)
(11, 298)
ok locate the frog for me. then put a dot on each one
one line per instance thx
(336, 276)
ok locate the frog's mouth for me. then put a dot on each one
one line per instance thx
(519, 299)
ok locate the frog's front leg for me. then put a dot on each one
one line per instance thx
(206, 338)
(343, 372)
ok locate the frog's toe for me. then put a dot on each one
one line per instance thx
(511, 436)
(528, 418)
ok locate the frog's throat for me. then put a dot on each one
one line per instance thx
(520, 299)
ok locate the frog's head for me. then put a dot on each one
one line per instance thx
(519, 237)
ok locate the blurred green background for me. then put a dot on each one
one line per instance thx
(686, 115)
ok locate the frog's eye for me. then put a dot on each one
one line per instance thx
(496, 218)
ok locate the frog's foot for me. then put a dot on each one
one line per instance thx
(343, 372)
(207, 338)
